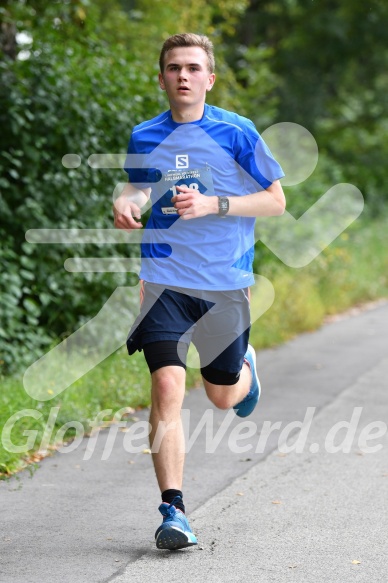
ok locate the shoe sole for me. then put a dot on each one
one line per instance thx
(173, 539)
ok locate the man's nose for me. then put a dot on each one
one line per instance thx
(182, 75)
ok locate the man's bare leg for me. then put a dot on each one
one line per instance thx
(226, 396)
(244, 395)
(167, 442)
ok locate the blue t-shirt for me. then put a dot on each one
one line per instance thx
(221, 154)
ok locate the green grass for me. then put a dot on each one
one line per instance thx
(353, 270)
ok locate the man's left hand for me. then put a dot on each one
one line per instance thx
(191, 204)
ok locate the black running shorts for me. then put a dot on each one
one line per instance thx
(217, 322)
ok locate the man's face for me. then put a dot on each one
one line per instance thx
(186, 76)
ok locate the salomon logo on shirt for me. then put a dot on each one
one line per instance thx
(182, 161)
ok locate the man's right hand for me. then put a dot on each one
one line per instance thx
(127, 214)
(126, 208)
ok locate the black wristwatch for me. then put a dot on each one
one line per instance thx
(223, 206)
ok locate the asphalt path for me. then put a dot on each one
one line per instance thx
(261, 510)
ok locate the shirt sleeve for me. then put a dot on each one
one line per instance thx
(256, 158)
(138, 176)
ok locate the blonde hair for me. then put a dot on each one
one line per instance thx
(189, 39)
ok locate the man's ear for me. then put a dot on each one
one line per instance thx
(161, 82)
(212, 79)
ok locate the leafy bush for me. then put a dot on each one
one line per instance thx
(72, 97)
(83, 78)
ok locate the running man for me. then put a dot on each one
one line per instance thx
(208, 174)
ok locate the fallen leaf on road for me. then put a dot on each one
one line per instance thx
(146, 451)
(240, 494)
(355, 562)
(128, 411)
(276, 502)
(292, 566)
(38, 456)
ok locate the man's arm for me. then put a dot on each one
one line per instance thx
(267, 203)
(126, 209)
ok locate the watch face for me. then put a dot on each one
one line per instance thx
(223, 205)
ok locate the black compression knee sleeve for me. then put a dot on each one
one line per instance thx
(164, 353)
(219, 377)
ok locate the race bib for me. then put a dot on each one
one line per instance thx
(198, 179)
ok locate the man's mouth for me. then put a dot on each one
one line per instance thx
(183, 88)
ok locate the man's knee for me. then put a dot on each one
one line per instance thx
(222, 398)
(168, 386)
(219, 386)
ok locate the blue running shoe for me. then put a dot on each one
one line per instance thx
(246, 406)
(174, 532)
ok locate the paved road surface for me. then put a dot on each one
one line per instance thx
(260, 515)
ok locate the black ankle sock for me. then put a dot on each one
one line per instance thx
(169, 495)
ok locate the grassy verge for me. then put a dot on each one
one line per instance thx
(354, 269)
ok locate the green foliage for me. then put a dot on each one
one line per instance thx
(80, 96)
(257, 84)
(329, 59)
(85, 74)
(21, 339)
